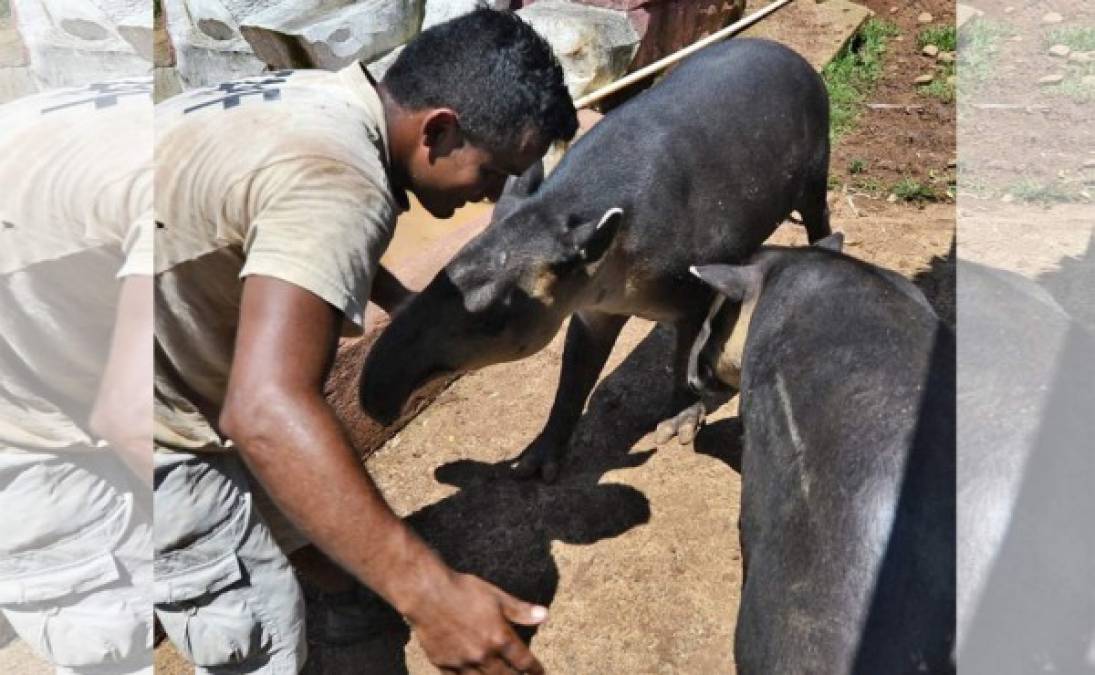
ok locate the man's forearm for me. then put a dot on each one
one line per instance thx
(298, 450)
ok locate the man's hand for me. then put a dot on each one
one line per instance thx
(294, 444)
(463, 626)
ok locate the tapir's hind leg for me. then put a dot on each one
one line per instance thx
(687, 411)
(815, 210)
(589, 342)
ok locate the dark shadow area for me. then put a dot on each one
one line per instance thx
(501, 529)
(1026, 470)
(1072, 285)
(937, 283)
(723, 441)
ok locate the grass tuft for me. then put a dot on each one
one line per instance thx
(851, 76)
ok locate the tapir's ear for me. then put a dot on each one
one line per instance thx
(527, 183)
(592, 239)
(733, 281)
(834, 242)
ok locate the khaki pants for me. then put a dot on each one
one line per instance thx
(224, 590)
(76, 560)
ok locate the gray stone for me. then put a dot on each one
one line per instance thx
(594, 46)
(930, 51)
(1060, 51)
(330, 35)
(924, 17)
(209, 48)
(924, 79)
(1052, 17)
(1055, 78)
(440, 11)
(74, 42)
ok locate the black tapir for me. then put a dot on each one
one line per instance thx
(848, 464)
(701, 167)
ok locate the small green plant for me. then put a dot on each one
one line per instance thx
(944, 37)
(1076, 38)
(5, 9)
(857, 166)
(1074, 86)
(1032, 190)
(911, 190)
(941, 87)
(977, 45)
(871, 186)
(853, 73)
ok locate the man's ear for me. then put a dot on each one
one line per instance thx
(591, 240)
(441, 132)
(736, 282)
(833, 242)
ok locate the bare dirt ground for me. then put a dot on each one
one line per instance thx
(1019, 136)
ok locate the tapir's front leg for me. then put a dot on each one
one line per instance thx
(589, 341)
(686, 411)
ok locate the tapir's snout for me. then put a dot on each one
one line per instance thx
(383, 393)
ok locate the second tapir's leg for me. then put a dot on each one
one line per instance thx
(687, 411)
(589, 341)
(815, 210)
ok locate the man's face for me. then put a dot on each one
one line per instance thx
(449, 171)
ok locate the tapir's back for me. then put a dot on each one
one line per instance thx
(716, 154)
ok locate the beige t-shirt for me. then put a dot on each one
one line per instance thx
(281, 175)
(75, 217)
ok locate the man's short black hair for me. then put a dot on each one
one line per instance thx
(497, 73)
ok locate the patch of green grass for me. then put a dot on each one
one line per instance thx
(1073, 86)
(944, 37)
(977, 46)
(857, 166)
(871, 186)
(912, 190)
(941, 88)
(853, 73)
(1031, 190)
(5, 9)
(1076, 38)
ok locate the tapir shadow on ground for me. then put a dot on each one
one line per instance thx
(501, 529)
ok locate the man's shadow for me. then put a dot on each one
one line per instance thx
(501, 529)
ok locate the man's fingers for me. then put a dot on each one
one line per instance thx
(495, 666)
(520, 657)
(520, 612)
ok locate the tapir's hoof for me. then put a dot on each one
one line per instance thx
(683, 426)
(540, 459)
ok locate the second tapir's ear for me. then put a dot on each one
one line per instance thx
(833, 242)
(733, 281)
(591, 240)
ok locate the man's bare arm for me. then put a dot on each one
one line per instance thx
(292, 441)
(122, 412)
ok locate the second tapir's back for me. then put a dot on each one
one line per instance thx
(712, 158)
(848, 394)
